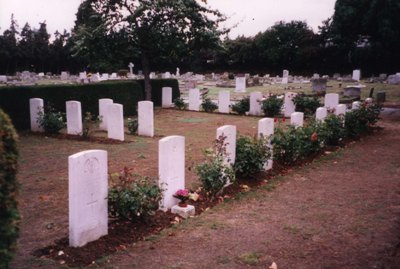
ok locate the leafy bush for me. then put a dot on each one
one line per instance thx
(123, 72)
(242, 106)
(180, 104)
(8, 190)
(89, 123)
(333, 130)
(214, 173)
(305, 104)
(208, 105)
(251, 155)
(51, 120)
(272, 106)
(132, 198)
(132, 126)
(359, 120)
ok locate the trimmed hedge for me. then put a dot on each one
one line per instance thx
(156, 89)
(8, 190)
(15, 100)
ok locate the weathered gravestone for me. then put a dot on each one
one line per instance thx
(255, 103)
(340, 110)
(115, 122)
(227, 133)
(355, 105)
(74, 117)
(319, 85)
(356, 75)
(166, 97)
(146, 118)
(331, 100)
(35, 107)
(194, 99)
(3, 79)
(288, 106)
(296, 119)
(64, 75)
(224, 101)
(285, 77)
(321, 113)
(88, 191)
(103, 112)
(266, 129)
(240, 83)
(171, 168)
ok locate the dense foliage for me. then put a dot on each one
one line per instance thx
(272, 106)
(242, 106)
(8, 190)
(208, 105)
(306, 104)
(50, 120)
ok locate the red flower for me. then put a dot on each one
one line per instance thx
(314, 137)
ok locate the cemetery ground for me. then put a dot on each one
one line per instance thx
(340, 211)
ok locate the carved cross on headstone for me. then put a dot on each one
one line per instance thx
(92, 201)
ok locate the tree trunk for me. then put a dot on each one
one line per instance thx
(146, 73)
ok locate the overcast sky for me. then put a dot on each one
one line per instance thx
(253, 16)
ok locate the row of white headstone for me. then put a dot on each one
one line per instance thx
(111, 114)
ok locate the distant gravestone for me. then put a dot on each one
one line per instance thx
(356, 75)
(115, 122)
(393, 79)
(229, 133)
(355, 105)
(319, 85)
(35, 107)
(321, 113)
(240, 83)
(3, 79)
(167, 75)
(152, 75)
(288, 106)
(297, 119)
(285, 77)
(113, 76)
(166, 97)
(171, 167)
(88, 191)
(104, 76)
(130, 66)
(64, 75)
(266, 129)
(340, 110)
(194, 99)
(82, 75)
(224, 101)
(103, 112)
(146, 118)
(177, 73)
(255, 103)
(331, 100)
(74, 117)
(315, 76)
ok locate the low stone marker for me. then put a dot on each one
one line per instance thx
(321, 113)
(224, 101)
(331, 100)
(255, 103)
(285, 77)
(288, 106)
(166, 97)
(103, 109)
(88, 191)
(146, 118)
(266, 129)
(74, 117)
(115, 122)
(35, 106)
(297, 119)
(194, 99)
(240, 83)
(229, 132)
(171, 168)
(340, 110)
(319, 85)
(355, 105)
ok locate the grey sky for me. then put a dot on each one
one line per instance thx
(253, 16)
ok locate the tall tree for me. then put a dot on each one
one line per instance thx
(8, 47)
(41, 47)
(161, 27)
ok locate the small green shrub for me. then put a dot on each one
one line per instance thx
(132, 126)
(90, 122)
(272, 106)
(214, 174)
(8, 190)
(133, 198)
(242, 106)
(180, 104)
(307, 105)
(359, 120)
(333, 130)
(51, 120)
(123, 72)
(251, 155)
(208, 105)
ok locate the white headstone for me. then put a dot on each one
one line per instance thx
(146, 118)
(331, 100)
(340, 110)
(224, 100)
(64, 75)
(88, 191)
(355, 105)
(103, 112)
(113, 76)
(356, 75)
(115, 122)
(166, 97)
(229, 132)
(266, 129)
(171, 167)
(3, 78)
(285, 77)
(131, 65)
(194, 99)
(288, 106)
(296, 119)
(177, 74)
(321, 113)
(35, 106)
(104, 76)
(167, 75)
(369, 100)
(240, 84)
(82, 75)
(255, 103)
(74, 117)
(152, 75)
